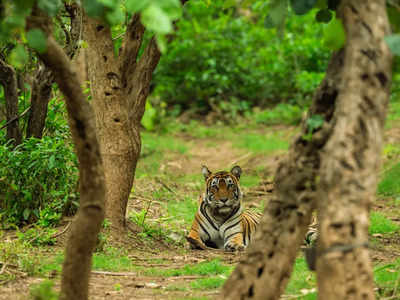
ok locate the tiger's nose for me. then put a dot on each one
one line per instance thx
(223, 200)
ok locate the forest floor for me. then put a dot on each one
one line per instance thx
(153, 261)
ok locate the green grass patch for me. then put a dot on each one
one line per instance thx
(380, 224)
(213, 267)
(390, 184)
(112, 259)
(387, 279)
(183, 210)
(207, 283)
(302, 280)
(261, 143)
(249, 181)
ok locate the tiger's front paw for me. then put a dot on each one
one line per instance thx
(232, 247)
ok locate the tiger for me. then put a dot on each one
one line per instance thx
(220, 221)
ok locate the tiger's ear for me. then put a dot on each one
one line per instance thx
(206, 172)
(236, 171)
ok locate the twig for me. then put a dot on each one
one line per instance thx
(106, 273)
(16, 118)
(62, 231)
(240, 158)
(3, 268)
(164, 185)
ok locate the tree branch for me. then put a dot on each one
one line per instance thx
(87, 223)
(130, 48)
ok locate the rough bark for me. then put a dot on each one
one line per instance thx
(8, 79)
(351, 158)
(119, 87)
(268, 263)
(87, 223)
(40, 97)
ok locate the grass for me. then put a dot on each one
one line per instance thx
(207, 283)
(389, 186)
(387, 279)
(302, 281)
(258, 143)
(381, 224)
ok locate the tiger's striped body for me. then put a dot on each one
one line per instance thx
(220, 221)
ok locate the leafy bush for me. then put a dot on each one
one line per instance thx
(220, 57)
(38, 181)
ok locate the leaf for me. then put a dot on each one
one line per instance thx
(52, 162)
(37, 40)
(323, 16)
(115, 16)
(315, 122)
(19, 57)
(51, 7)
(155, 19)
(26, 213)
(134, 6)
(148, 120)
(172, 8)
(301, 7)
(334, 35)
(393, 42)
(277, 14)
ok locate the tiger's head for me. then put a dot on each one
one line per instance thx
(223, 195)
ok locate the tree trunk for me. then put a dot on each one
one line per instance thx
(8, 79)
(264, 271)
(119, 87)
(343, 154)
(351, 157)
(40, 96)
(87, 223)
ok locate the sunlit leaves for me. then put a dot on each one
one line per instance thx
(301, 7)
(334, 35)
(393, 42)
(37, 40)
(154, 18)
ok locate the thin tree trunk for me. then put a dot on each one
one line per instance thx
(264, 271)
(8, 79)
(351, 158)
(119, 87)
(87, 223)
(40, 97)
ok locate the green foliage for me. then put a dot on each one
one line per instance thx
(219, 60)
(43, 291)
(334, 35)
(37, 236)
(37, 181)
(381, 224)
(393, 42)
(389, 186)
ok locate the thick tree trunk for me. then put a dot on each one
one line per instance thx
(40, 96)
(8, 79)
(87, 223)
(338, 166)
(351, 157)
(119, 87)
(266, 268)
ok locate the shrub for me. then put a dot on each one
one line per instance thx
(38, 181)
(219, 57)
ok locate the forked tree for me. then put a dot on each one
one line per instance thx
(335, 171)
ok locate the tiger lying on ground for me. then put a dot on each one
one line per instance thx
(220, 221)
